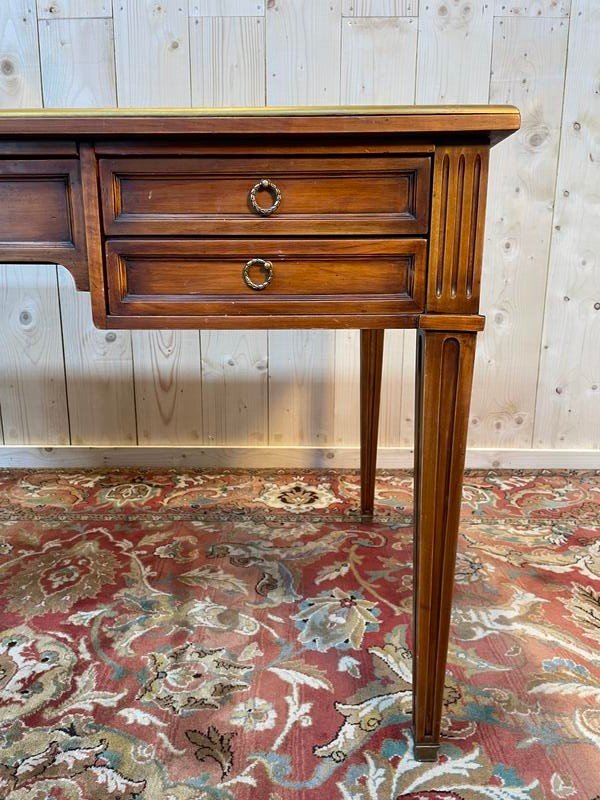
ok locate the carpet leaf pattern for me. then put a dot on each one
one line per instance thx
(235, 635)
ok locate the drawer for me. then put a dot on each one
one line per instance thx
(41, 215)
(212, 276)
(215, 196)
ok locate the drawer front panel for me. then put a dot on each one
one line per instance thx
(212, 196)
(41, 211)
(187, 277)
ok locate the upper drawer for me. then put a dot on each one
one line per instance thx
(224, 195)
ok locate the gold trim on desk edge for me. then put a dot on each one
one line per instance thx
(265, 111)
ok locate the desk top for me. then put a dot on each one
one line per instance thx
(496, 121)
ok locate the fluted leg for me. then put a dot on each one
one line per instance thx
(444, 377)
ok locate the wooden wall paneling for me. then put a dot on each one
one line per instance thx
(227, 8)
(32, 379)
(568, 395)
(99, 374)
(227, 61)
(228, 58)
(168, 388)
(303, 68)
(73, 9)
(455, 44)
(303, 52)
(301, 387)
(77, 62)
(380, 8)
(378, 66)
(454, 54)
(20, 77)
(532, 8)
(166, 363)
(152, 53)
(20, 86)
(346, 405)
(78, 69)
(528, 70)
(235, 387)
(378, 60)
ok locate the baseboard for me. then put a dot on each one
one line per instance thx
(274, 457)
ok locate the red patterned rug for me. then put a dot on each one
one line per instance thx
(231, 635)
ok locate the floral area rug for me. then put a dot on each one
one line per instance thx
(231, 635)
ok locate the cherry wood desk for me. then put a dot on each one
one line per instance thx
(367, 218)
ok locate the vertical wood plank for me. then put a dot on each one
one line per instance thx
(303, 68)
(77, 62)
(455, 45)
(532, 8)
(73, 9)
(528, 70)
(227, 8)
(380, 8)
(234, 373)
(20, 79)
(33, 401)
(168, 387)
(378, 60)
(378, 66)
(32, 385)
(166, 364)
(568, 393)
(152, 53)
(227, 59)
(303, 52)
(99, 374)
(301, 387)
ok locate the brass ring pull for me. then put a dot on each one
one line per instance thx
(265, 266)
(270, 187)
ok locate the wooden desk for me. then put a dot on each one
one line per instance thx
(367, 218)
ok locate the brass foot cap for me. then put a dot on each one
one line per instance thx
(366, 516)
(426, 752)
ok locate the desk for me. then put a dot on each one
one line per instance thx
(367, 218)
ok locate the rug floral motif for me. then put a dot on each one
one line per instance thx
(234, 635)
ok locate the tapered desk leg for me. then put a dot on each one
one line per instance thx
(371, 360)
(444, 377)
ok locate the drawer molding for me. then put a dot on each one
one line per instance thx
(205, 277)
(203, 196)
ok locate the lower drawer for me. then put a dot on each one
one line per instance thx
(263, 276)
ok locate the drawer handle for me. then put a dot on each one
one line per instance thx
(270, 187)
(265, 266)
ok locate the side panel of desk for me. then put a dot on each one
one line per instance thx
(41, 206)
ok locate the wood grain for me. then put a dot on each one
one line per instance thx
(33, 399)
(455, 45)
(227, 61)
(235, 386)
(380, 8)
(20, 76)
(98, 374)
(73, 9)
(454, 60)
(444, 376)
(307, 69)
(567, 412)
(168, 387)
(532, 8)
(77, 62)
(378, 60)
(528, 66)
(155, 35)
(227, 8)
